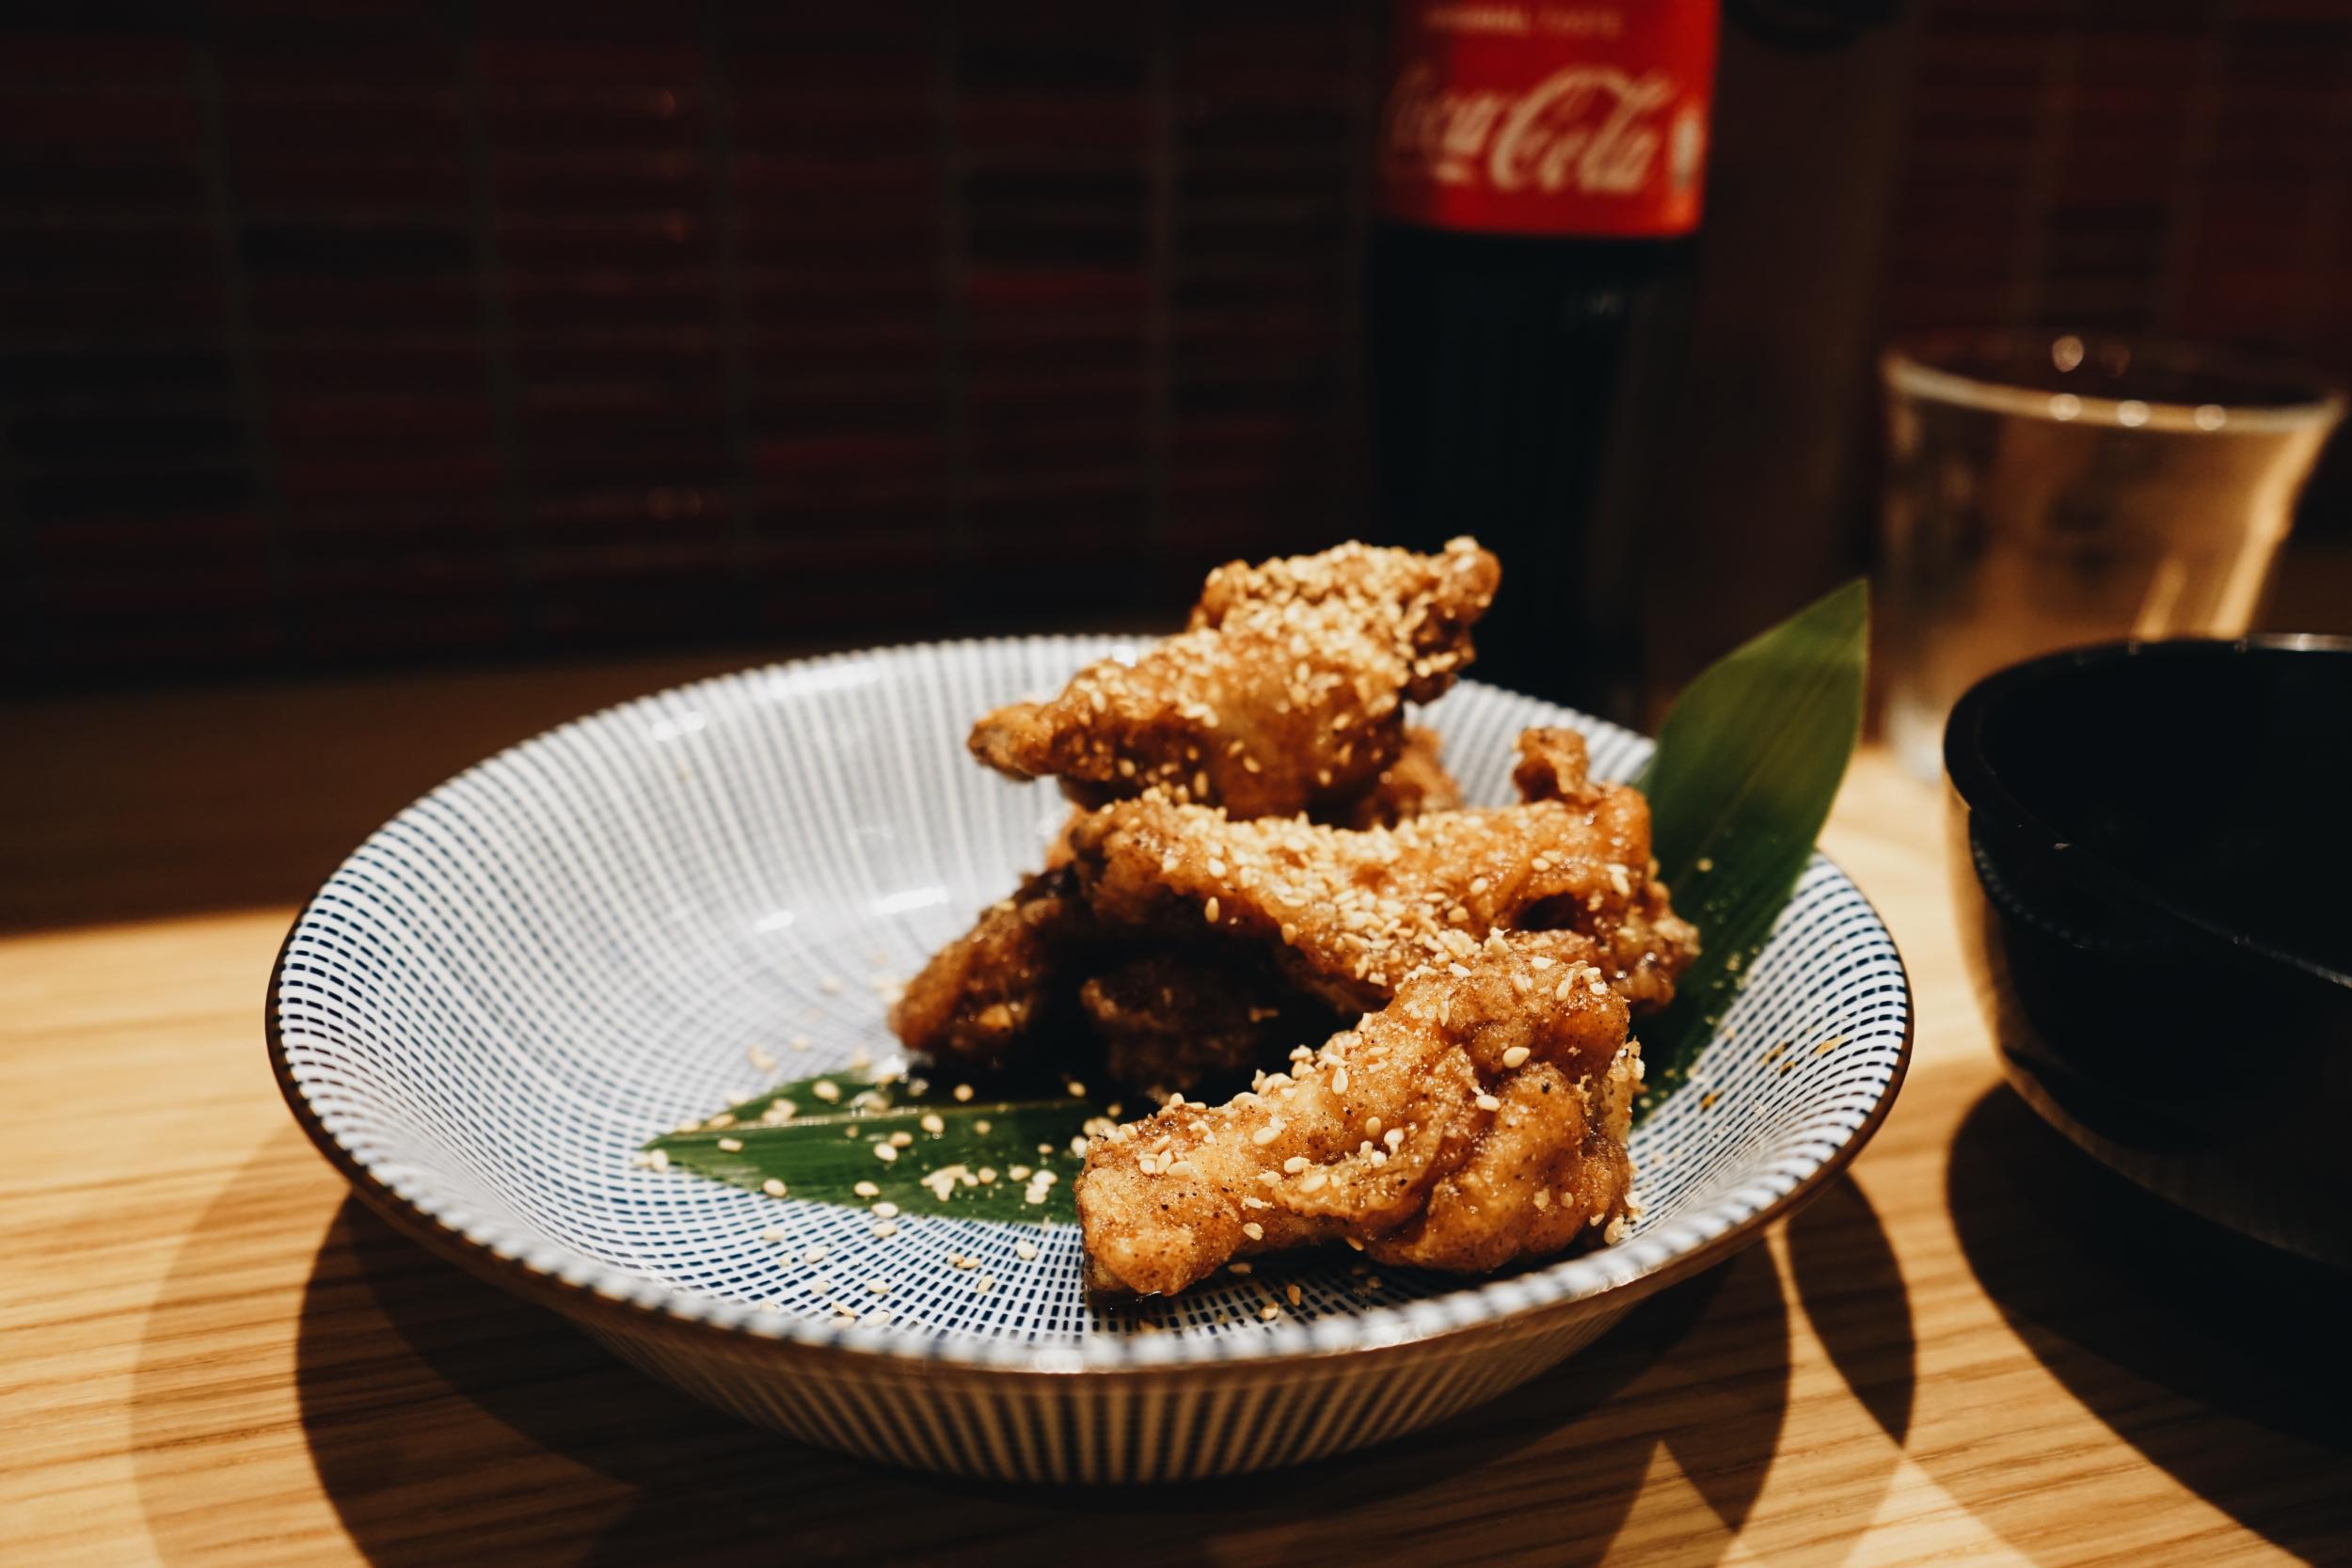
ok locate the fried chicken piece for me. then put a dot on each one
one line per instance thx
(1176, 1018)
(1348, 913)
(1166, 1018)
(985, 990)
(1285, 693)
(1480, 1116)
(1416, 783)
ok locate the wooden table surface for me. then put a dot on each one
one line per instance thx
(1975, 1348)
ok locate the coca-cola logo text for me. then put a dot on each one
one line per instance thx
(1589, 128)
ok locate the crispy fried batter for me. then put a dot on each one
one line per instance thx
(1168, 1015)
(1286, 692)
(982, 993)
(1480, 1116)
(1349, 913)
(1174, 1017)
(1414, 783)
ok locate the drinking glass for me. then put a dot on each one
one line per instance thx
(2049, 490)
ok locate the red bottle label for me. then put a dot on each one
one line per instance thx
(1533, 117)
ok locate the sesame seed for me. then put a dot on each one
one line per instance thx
(1182, 1168)
(1296, 1163)
(960, 1261)
(885, 1230)
(901, 1140)
(1313, 1181)
(1210, 910)
(826, 1090)
(732, 1146)
(986, 1174)
(934, 1124)
(962, 1091)
(867, 1188)
(878, 1287)
(981, 1125)
(1516, 1056)
(986, 1283)
(1292, 1294)
(1019, 1173)
(1269, 1312)
(1026, 1251)
(1339, 1082)
(772, 1234)
(1372, 1126)
(886, 1153)
(772, 1187)
(1488, 1103)
(1267, 1133)
(1394, 1137)
(885, 1210)
(1255, 1231)
(816, 1255)
(1078, 1090)
(1352, 1244)
(658, 1159)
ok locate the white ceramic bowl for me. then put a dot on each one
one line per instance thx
(585, 940)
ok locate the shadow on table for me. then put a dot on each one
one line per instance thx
(433, 1403)
(2224, 1361)
(1845, 1273)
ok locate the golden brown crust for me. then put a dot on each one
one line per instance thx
(1480, 1117)
(1349, 913)
(1416, 783)
(1175, 1017)
(983, 992)
(1286, 692)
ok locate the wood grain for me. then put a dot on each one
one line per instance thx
(1975, 1349)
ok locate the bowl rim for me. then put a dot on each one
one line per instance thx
(641, 1311)
(1979, 784)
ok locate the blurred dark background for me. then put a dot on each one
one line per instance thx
(357, 335)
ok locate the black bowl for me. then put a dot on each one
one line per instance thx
(2157, 908)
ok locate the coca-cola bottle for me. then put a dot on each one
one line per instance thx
(1536, 184)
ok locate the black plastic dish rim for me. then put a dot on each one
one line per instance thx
(1981, 789)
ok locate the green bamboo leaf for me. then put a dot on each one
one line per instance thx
(973, 1159)
(1747, 764)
